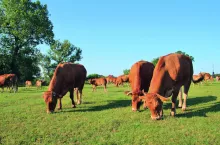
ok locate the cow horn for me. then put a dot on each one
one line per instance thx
(129, 93)
(163, 99)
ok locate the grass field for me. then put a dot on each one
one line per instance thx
(106, 118)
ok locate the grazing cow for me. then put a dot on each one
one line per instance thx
(28, 84)
(198, 78)
(110, 79)
(39, 84)
(121, 80)
(10, 81)
(98, 82)
(207, 76)
(140, 76)
(66, 77)
(171, 72)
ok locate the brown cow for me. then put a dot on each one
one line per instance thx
(171, 72)
(121, 80)
(10, 81)
(39, 84)
(66, 77)
(98, 82)
(198, 78)
(207, 76)
(110, 79)
(140, 76)
(217, 78)
(28, 84)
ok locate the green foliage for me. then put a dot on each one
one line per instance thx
(93, 76)
(155, 60)
(107, 118)
(23, 25)
(59, 52)
(126, 71)
(64, 52)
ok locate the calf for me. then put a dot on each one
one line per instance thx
(98, 82)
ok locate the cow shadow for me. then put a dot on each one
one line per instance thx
(202, 111)
(111, 105)
(193, 101)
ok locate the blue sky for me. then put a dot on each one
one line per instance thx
(114, 34)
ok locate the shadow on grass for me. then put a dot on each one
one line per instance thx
(193, 101)
(215, 107)
(113, 104)
(202, 111)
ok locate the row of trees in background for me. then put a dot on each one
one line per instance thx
(23, 26)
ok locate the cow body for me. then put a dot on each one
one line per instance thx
(39, 84)
(110, 79)
(171, 72)
(10, 81)
(139, 77)
(66, 77)
(121, 80)
(28, 84)
(98, 82)
(217, 78)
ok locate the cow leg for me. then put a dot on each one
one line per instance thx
(185, 94)
(72, 98)
(79, 97)
(59, 104)
(105, 88)
(174, 97)
(180, 98)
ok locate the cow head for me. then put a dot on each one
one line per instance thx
(50, 99)
(154, 102)
(135, 101)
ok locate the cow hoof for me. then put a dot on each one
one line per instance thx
(183, 108)
(172, 113)
(73, 106)
(179, 106)
(59, 108)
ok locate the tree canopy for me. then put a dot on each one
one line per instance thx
(23, 25)
(126, 71)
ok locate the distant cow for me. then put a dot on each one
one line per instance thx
(98, 82)
(217, 78)
(39, 84)
(121, 80)
(207, 76)
(110, 79)
(140, 76)
(198, 78)
(171, 72)
(66, 77)
(9, 81)
(28, 84)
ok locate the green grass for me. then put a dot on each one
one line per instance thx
(106, 118)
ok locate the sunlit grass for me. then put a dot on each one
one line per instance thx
(106, 118)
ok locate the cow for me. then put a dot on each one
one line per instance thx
(66, 77)
(98, 82)
(217, 78)
(121, 80)
(139, 77)
(198, 77)
(10, 81)
(28, 84)
(171, 72)
(39, 84)
(207, 76)
(110, 79)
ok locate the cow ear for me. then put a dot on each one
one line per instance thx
(163, 99)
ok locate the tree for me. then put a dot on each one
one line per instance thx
(126, 71)
(93, 76)
(59, 52)
(63, 52)
(155, 60)
(23, 25)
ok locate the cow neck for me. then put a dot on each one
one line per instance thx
(137, 83)
(156, 84)
(54, 85)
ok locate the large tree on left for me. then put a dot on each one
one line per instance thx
(23, 25)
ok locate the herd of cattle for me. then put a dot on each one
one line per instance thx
(149, 85)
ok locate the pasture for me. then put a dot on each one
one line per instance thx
(106, 118)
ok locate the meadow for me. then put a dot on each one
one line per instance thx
(106, 118)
